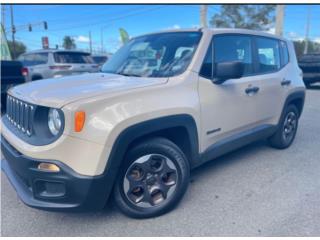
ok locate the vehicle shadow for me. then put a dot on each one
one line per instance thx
(227, 159)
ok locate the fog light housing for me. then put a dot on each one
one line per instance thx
(48, 167)
(49, 189)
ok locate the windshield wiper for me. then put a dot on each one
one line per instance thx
(128, 75)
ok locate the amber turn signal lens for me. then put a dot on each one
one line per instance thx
(79, 120)
(50, 167)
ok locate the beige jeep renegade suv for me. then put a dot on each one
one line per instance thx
(164, 104)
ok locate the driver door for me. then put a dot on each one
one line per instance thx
(226, 109)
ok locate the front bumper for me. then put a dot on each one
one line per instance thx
(57, 191)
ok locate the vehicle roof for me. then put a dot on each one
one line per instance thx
(221, 31)
(53, 51)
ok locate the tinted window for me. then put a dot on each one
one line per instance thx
(206, 68)
(72, 57)
(284, 53)
(99, 59)
(34, 59)
(232, 48)
(268, 54)
(155, 55)
(40, 58)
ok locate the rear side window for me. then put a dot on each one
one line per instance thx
(35, 59)
(40, 58)
(206, 68)
(284, 53)
(229, 48)
(268, 54)
(72, 57)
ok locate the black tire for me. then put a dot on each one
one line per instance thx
(282, 139)
(36, 77)
(155, 147)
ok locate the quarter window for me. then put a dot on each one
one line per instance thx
(230, 48)
(206, 68)
(268, 55)
(284, 53)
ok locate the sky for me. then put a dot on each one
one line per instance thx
(104, 21)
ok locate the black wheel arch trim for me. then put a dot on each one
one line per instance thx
(295, 96)
(127, 136)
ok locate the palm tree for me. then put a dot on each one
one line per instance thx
(68, 43)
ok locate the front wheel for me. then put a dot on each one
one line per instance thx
(287, 128)
(153, 179)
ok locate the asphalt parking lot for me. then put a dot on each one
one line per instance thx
(255, 191)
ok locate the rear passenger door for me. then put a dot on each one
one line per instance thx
(270, 75)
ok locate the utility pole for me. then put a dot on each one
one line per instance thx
(279, 19)
(203, 15)
(90, 42)
(13, 28)
(307, 31)
(101, 38)
(3, 12)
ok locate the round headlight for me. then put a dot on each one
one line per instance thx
(54, 121)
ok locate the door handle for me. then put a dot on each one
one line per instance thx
(285, 82)
(252, 90)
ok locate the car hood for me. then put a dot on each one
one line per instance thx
(61, 91)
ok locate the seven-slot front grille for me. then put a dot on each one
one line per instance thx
(20, 115)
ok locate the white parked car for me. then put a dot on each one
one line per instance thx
(54, 63)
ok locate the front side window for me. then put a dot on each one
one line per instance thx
(268, 54)
(230, 48)
(155, 55)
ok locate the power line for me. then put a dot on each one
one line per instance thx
(81, 17)
(110, 20)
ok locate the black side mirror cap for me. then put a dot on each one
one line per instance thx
(228, 70)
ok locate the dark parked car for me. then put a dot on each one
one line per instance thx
(310, 65)
(12, 73)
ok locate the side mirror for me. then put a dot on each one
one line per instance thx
(228, 70)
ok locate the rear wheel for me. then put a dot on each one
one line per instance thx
(287, 128)
(36, 77)
(153, 179)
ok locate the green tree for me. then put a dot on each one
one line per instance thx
(255, 17)
(69, 43)
(19, 46)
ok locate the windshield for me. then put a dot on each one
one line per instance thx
(155, 55)
(72, 57)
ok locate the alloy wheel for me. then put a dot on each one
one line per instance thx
(150, 180)
(289, 126)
